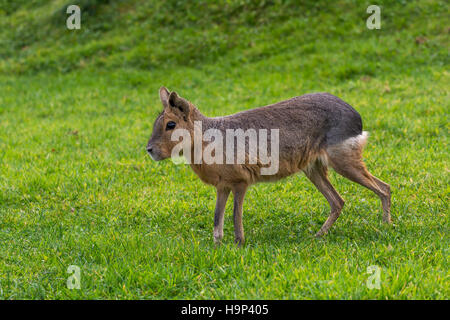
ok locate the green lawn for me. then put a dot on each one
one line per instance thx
(77, 187)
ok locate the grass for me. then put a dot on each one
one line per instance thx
(77, 188)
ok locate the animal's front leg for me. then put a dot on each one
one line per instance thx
(239, 194)
(222, 196)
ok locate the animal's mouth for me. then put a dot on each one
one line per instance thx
(154, 154)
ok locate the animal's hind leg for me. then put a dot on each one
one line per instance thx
(317, 173)
(385, 198)
(347, 162)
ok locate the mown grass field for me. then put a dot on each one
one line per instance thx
(77, 187)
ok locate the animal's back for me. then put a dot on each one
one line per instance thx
(320, 117)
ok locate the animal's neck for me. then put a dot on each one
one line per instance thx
(206, 122)
(203, 123)
(196, 115)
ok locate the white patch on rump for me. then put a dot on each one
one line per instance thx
(357, 142)
(350, 145)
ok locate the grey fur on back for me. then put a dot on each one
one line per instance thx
(320, 118)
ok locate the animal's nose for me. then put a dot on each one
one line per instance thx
(149, 149)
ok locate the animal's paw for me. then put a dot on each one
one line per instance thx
(239, 242)
(217, 241)
(320, 233)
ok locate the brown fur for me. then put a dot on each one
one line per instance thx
(315, 131)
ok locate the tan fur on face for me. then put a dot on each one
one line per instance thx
(183, 113)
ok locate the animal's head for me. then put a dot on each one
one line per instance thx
(178, 113)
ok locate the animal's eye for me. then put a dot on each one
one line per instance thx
(170, 125)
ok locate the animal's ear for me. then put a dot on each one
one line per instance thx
(164, 96)
(175, 101)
